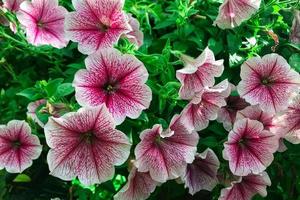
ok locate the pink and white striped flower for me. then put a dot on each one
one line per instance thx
(255, 113)
(166, 153)
(12, 5)
(267, 119)
(44, 22)
(85, 144)
(135, 36)
(227, 113)
(249, 148)
(116, 80)
(18, 147)
(138, 187)
(290, 120)
(233, 12)
(205, 106)
(246, 187)
(202, 173)
(268, 81)
(198, 73)
(32, 109)
(96, 24)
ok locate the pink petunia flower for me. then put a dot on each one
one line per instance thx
(96, 24)
(233, 12)
(32, 108)
(268, 81)
(138, 187)
(227, 113)
(249, 148)
(165, 153)
(290, 120)
(12, 5)
(18, 147)
(202, 173)
(135, 36)
(44, 22)
(198, 73)
(267, 119)
(255, 113)
(246, 187)
(295, 30)
(205, 106)
(85, 144)
(116, 80)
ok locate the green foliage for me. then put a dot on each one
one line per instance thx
(29, 73)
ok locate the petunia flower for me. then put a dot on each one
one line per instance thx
(166, 153)
(135, 36)
(255, 113)
(18, 147)
(246, 187)
(268, 81)
(295, 30)
(116, 80)
(12, 5)
(227, 113)
(249, 148)
(32, 108)
(290, 120)
(198, 73)
(205, 106)
(44, 22)
(233, 12)
(138, 187)
(85, 144)
(202, 173)
(96, 24)
(267, 119)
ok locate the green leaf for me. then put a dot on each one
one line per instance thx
(52, 86)
(30, 93)
(215, 45)
(234, 43)
(22, 178)
(295, 61)
(64, 90)
(209, 141)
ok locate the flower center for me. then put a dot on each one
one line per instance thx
(110, 88)
(87, 137)
(102, 27)
(266, 81)
(158, 140)
(40, 24)
(242, 142)
(16, 144)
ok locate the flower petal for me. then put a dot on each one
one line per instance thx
(96, 24)
(166, 158)
(198, 73)
(85, 144)
(233, 12)
(44, 22)
(198, 112)
(202, 173)
(280, 82)
(18, 147)
(125, 73)
(247, 187)
(249, 148)
(139, 186)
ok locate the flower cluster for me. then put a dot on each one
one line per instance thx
(259, 112)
